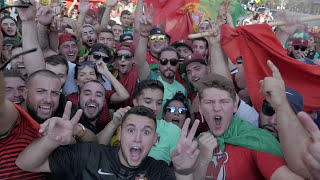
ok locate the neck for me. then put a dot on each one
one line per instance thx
(168, 80)
(156, 55)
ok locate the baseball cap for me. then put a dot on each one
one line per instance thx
(124, 12)
(126, 37)
(98, 47)
(66, 37)
(195, 57)
(93, 14)
(183, 42)
(300, 42)
(158, 30)
(125, 46)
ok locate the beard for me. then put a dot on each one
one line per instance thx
(168, 76)
(33, 113)
(93, 118)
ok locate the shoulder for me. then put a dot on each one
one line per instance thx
(168, 126)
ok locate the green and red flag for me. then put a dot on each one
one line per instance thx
(182, 17)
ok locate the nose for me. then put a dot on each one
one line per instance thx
(153, 106)
(137, 137)
(273, 119)
(216, 107)
(16, 93)
(48, 97)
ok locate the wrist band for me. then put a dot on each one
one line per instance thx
(83, 131)
(184, 171)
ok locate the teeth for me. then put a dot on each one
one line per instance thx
(21, 66)
(217, 119)
(70, 54)
(92, 105)
(136, 148)
(45, 107)
(17, 102)
(196, 79)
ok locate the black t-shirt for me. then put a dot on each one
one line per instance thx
(95, 161)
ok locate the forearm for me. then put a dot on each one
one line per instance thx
(43, 36)
(201, 170)
(140, 58)
(106, 17)
(293, 151)
(282, 37)
(54, 41)
(33, 61)
(137, 14)
(105, 136)
(121, 94)
(8, 115)
(219, 60)
(84, 135)
(34, 157)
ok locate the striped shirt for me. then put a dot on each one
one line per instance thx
(24, 131)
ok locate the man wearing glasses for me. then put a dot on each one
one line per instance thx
(267, 117)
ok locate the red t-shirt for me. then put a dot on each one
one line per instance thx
(129, 82)
(104, 117)
(242, 163)
(21, 135)
(150, 59)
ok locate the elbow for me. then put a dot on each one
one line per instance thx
(22, 165)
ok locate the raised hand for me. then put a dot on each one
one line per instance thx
(145, 21)
(311, 157)
(84, 6)
(273, 88)
(45, 15)
(118, 115)
(29, 13)
(186, 152)
(207, 145)
(292, 21)
(58, 23)
(60, 130)
(102, 67)
(111, 3)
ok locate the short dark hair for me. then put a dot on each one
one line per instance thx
(146, 84)
(43, 72)
(202, 39)
(219, 82)
(106, 30)
(13, 73)
(84, 63)
(125, 12)
(169, 48)
(55, 60)
(178, 97)
(141, 111)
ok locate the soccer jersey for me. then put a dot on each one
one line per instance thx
(95, 161)
(23, 132)
(242, 163)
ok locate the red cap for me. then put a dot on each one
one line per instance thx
(125, 46)
(195, 57)
(93, 14)
(66, 37)
(183, 42)
(300, 42)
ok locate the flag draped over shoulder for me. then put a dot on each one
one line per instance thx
(257, 44)
(182, 17)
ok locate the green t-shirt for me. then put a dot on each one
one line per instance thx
(169, 89)
(168, 138)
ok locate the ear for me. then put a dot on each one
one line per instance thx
(25, 92)
(208, 69)
(235, 106)
(135, 102)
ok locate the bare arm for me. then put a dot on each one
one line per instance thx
(137, 15)
(58, 131)
(105, 136)
(106, 15)
(287, 30)
(34, 61)
(145, 23)
(284, 173)
(273, 89)
(84, 7)
(71, 7)
(121, 93)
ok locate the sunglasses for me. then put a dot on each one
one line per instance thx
(165, 61)
(81, 65)
(127, 57)
(267, 109)
(302, 48)
(98, 57)
(159, 37)
(172, 109)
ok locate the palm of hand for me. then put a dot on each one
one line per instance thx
(61, 131)
(181, 158)
(46, 19)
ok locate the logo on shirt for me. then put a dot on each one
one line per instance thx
(141, 177)
(216, 169)
(104, 173)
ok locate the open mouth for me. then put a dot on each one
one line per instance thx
(135, 152)
(175, 121)
(45, 109)
(217, 120)
(92, 107)
(21, 66)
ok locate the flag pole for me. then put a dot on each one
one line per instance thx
(278, 23)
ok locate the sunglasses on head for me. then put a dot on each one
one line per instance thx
(172, 109)
(302, 48)
(98, 57)
(127, 57)
(267, 109)
(81, 65)
(165, 61)
(159, 37)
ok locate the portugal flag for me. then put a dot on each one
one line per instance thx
(257, 44)
(182, 17)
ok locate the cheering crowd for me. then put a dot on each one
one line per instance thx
(105, 94)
